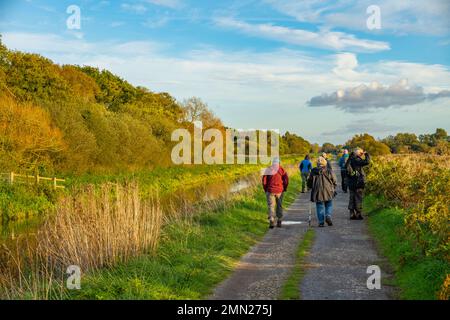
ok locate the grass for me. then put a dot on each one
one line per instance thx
(193, 256)
(418, 276)
(291, 287)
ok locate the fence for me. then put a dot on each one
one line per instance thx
(13, 177)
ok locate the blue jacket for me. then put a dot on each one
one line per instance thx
(305, 166)
(342, 161)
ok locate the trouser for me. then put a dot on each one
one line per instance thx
(344, 180)
(305, 176)
(274, 204)
(355, 201)
(324, 209)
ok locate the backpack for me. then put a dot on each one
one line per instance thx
(350, 171)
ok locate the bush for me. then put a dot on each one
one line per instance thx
(421, 185)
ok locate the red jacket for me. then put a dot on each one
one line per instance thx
(275, 181)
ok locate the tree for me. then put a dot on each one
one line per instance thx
(315, 148)
(328, 148)
(196, 110)
(368, 143)
(402, 142)
(294, 144)
(27, 137)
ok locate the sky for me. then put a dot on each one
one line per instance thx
(325, 70)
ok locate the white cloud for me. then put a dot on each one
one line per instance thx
(402, 17)
(135, 7)
(375, 95)
(324, 39)
(174, 4)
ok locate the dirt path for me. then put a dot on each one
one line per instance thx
(336, 266)
(261, 272)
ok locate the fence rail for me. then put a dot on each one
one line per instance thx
(13, 177)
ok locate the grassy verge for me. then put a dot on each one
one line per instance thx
(193, 257)
(291, 288)
(417, 276)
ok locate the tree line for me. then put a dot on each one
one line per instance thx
(435, 143)
(80, 119)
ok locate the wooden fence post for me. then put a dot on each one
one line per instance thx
(37, 178)
(11, 177)
(54, 183)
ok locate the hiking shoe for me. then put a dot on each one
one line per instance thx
(279, 224)
(359, 216)
(328, 221)
(321, 225)
(271, 223)
(352, 215)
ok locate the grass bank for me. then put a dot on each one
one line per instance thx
(417, 275)
(291, 288)
(193, 257)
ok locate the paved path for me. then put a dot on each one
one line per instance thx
(336, 266)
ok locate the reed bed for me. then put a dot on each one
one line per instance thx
(92, 229)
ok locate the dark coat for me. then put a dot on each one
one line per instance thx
(357, 180)
(322, 182)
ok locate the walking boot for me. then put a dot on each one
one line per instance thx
(328, 221)
(359, 216)
(271, 223)
(279, 223)
(352, 215)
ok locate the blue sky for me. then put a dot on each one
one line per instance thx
(310, 67)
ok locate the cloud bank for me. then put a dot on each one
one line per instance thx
(365, 97)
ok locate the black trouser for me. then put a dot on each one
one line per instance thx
(344, 180)
(355, 200)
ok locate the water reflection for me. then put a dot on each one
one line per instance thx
(178, 200)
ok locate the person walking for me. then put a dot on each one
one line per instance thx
(322, 182)
(342, 161)
(275, 182)
(325, 156)
(305, 169)
(356, 181)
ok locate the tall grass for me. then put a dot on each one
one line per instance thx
(420, 185)
(92, 229)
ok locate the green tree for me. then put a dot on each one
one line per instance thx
(294, 144)
(368, 143)
(328, 148)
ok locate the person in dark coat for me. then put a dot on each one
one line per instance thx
(275, 182)
(322, 182)
(356, 181)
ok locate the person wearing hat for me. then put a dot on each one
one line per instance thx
(356, 181)
(342, 162)
(322, 182)
(275, 182)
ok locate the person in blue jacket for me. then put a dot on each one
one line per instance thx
(342, 162)
(305, 169)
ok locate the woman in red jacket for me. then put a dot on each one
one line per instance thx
(275, 182)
